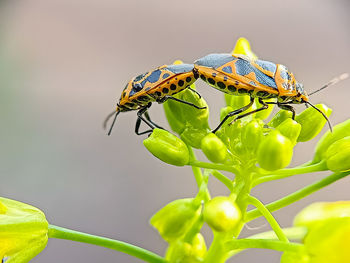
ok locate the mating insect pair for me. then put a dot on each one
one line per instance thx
(229, 73)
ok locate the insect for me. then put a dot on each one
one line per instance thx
(157, 85)
(240, 75)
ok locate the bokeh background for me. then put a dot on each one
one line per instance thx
(63, 65)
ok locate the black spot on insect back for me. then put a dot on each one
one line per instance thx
(165, 90)
(221, 85)
(188, 79)
(181, 83)
(211, 81)
(203, 77)
(173, 87)
(231, 88)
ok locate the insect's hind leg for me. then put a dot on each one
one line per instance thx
(232, 113)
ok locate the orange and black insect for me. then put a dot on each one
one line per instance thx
(240, 75)
(154, 86)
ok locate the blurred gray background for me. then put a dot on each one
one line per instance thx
(63, 65)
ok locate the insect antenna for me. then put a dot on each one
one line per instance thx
(115, 113)
(107, 119)
(332, 82)
(324, 115)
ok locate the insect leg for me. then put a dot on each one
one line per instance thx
(193, 90)
(149, 119)
(284, 106)
(264, 107)
(167, 97)
(141, 118)
(232, 113)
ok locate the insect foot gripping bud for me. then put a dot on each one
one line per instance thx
(275, 151)
(167, 147)
(23, 231)
(184, 252)
(340, 131)
(338, 155)
(213, 148)
(312, 122)
(221, 213)
(176, 218)
(290, 129)
(328, 236)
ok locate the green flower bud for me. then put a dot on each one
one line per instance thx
(214, 149)
(193, 136)
(222, 214)
(280, 117)
(329, 242)
(252, 135)
(243, 47)
(290, 129)
(167, 147)
(338, 155)
(23, 231)
(224, 111)
(322, 211)
(180, 115)
(275, 151)
(176, 122)
(176, 218)
(312, 122)
(183, 252)
(340, 131)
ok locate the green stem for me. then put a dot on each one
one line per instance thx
(289, 199)
(284, 173)
(68, 234)
(215, 166)
(222, 178)
(269, 217)
(196, 170)
(294, 233)
(217, 252)
(264, 244)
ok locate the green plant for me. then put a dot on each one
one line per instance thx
(252, 152)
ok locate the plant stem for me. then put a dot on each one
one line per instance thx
(217, 252)
(68, 234)
(289, 199)
(294, 233)
(284, 173)
(222, 178)
(196, 170)
(269, 217)
(215, 166)
(264, 244)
